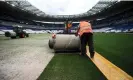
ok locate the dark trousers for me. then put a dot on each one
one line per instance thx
(87, 38)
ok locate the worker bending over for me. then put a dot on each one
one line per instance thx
(86, 37)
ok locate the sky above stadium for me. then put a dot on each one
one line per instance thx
(63, 7)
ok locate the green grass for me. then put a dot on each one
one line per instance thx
(118, 48)
(71, 67)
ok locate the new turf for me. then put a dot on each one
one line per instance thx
(118, 48)
(71, 67)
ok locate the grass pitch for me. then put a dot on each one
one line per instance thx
(71, 67)
(117, 48)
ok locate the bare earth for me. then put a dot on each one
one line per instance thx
(24, 59)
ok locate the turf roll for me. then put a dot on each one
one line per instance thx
(66, 42)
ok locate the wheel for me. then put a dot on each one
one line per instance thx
(27, 35)
(22, 35)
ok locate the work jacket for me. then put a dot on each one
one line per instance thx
(85, 27)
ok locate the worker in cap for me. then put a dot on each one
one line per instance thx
(68, 25)
(86, 37)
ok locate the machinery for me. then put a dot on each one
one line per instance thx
(65, 42)
(17, 32)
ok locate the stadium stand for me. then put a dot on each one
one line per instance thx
(106, 16)
(120, 22)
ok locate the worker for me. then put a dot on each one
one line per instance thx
(68, 25)
(86, 37)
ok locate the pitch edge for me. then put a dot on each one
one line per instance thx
(111, 71)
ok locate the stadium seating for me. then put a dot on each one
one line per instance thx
(121, 22)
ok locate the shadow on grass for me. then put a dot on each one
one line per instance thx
(67, 52)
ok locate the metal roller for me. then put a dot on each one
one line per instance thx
(13, 34)
(66, 42)
(10, 34)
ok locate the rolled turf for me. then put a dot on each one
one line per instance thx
(117, 48)
(71, 67)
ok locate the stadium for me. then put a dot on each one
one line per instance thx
(26, 33)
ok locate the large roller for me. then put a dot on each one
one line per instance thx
(66, 42)
(10, 34)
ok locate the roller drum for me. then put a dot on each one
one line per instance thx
(7, 34)
(51, 43)
(10, 34)
(66, 42)
(13, 34)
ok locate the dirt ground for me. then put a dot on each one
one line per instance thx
(24, 59)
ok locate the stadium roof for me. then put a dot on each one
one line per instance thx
(23, 11)
(26, 6)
